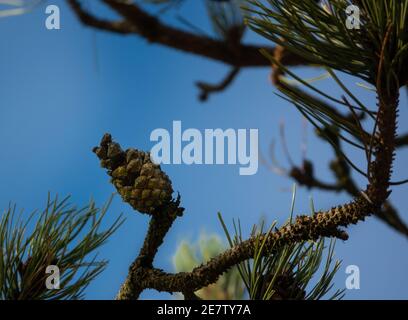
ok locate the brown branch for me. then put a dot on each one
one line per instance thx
(401, 141)
(305, 228)
(121, 27)
(323, 223)
(142, 275)
(137, 21)
(159, 225)
(206, 89)
(121, 164)
(341, 169)
(320, 224)
(304, 176)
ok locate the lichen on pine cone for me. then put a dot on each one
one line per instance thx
(139, 181)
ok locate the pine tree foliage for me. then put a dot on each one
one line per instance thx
(61, 235)
(320, 34)
(318, 31)
(290, 272)
(227, 19)
(282, 262)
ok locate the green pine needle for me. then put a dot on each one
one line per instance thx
(62, 235)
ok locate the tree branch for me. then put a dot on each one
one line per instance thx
(341, 169)
(402, 141)
(206, 89)
(137, 21)
(159, 225)
(344, 182)
(320, 224)
(304, 176)
(142, 275)
(121, 27)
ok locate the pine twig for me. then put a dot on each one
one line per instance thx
(138, 22)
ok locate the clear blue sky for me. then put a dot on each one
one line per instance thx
(61, 90)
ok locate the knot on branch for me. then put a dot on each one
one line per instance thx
(304, 175)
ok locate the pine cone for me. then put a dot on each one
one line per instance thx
(139, 181)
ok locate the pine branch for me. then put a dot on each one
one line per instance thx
(285, 274)
(158, 228)
(401, 141)
(189, 255)
(371, 62)
(63, 236)
(138, 22)
(310, 105)
(321, 224)
(206, 89)
(305, 176)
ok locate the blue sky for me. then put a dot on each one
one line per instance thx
(62, 89)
